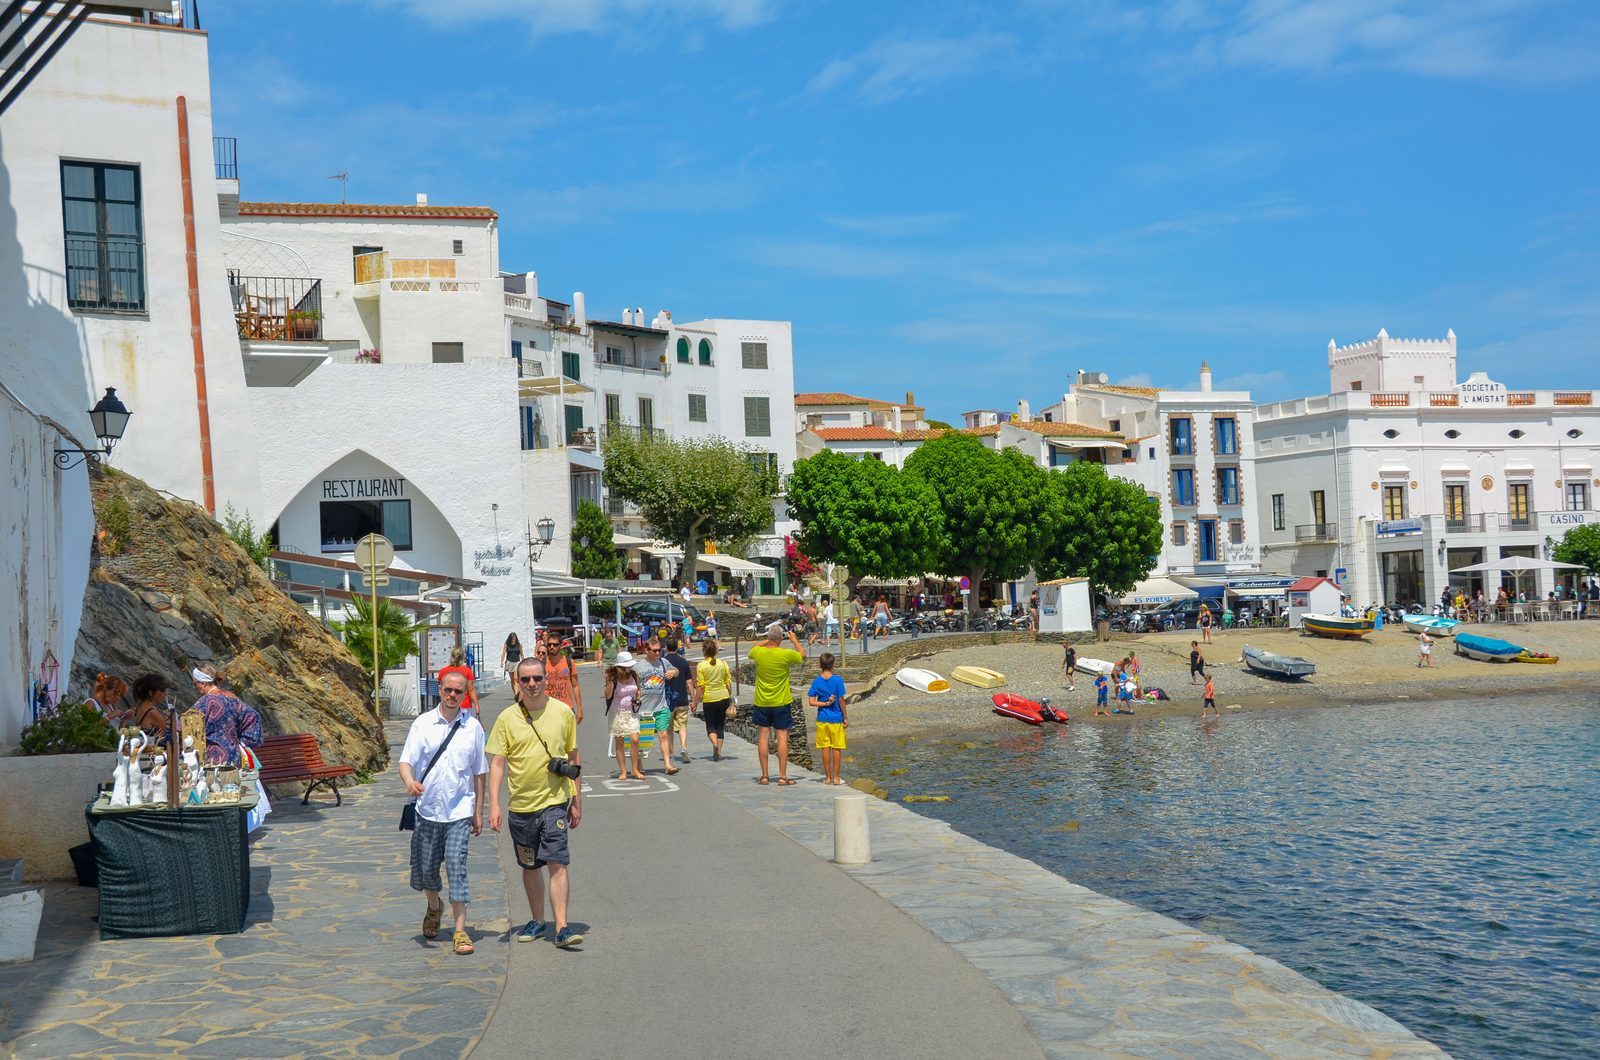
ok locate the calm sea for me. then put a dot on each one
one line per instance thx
(1440, 862)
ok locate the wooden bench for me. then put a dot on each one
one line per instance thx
(294, 757)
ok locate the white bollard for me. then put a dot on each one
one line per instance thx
(852, 844)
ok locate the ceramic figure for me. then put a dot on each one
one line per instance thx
(119, 776)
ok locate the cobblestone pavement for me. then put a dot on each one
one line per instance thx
(331, 962)
(1092, 975)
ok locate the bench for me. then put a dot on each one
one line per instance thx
(294, 757)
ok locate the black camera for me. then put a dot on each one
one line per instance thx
(563, 767)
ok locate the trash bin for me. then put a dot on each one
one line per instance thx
(1103, 629)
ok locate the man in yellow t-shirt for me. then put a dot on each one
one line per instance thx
(773, 702)
(527, 737)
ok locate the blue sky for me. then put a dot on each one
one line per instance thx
(971, 201)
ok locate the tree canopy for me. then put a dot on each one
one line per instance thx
(599, 558)
(989, 502)
(692, 490)
(397, 633)
(1580, 545)
(1096, 526)
(864, 514)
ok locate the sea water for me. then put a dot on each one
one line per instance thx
(1440, 861)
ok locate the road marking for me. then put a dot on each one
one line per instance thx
(652, 785)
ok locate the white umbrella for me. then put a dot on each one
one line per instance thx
(1517, 566)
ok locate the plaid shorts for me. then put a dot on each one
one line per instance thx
(441, 842)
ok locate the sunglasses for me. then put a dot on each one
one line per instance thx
(533, 680)
(452, 691)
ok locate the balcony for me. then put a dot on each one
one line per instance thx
(277, 308)
(225, 156)
(1523, 520)
(105, 274)
(1312, 532)
(1475, 523)
(377, 273)
(633, 430)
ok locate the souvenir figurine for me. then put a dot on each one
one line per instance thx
(155, 785)
(119, 778)
(135, 777)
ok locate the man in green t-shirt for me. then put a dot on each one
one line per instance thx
(772, 707)
(606, 645)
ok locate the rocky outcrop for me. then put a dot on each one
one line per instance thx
(179, 593)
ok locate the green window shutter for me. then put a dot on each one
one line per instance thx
(683, 350)
(697, 408)
(705, 351)
(574, 420)
(757, 417)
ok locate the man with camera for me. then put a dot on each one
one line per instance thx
(537, 738)
(773, 701)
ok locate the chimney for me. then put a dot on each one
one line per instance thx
(638, 316)
(422, 198)
(627, 315)
(579, 317)
(894, 419)
(530, 282)
(1205, 378)
(911, 399)
(1024, 413)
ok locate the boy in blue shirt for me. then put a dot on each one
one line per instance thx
(1101, 687)
(827, 695)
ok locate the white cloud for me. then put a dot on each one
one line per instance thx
(891, 225)
(1259, 212)
(625, 17)
(898, 66)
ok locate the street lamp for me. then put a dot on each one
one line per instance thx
(547, 534)
(110, 419)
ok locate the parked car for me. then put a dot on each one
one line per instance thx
(1182, 614)
(653, 613)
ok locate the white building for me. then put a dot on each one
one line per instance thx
(106, 181)
(1404, 472)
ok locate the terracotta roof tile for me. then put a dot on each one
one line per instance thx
(829, 399)
(353, 209)
(1067, 430)
(1136, 391)
(873, 434)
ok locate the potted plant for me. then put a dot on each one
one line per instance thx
(304, 324)
(369, 356)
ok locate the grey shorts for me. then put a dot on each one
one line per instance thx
(540, 838)
(437, 843)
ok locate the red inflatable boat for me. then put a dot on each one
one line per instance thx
(1011, 705)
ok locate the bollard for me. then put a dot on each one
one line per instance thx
(852, 844)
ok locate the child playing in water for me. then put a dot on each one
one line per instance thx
(1211, 699)
(1101, 685)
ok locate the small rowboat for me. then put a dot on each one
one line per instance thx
(1286, 667)
(1336, 627)
(1487, 649)
(1436, 627)
(978, 676)
(1032, 712)
(1537, 657)
(1095, 667)
(921, 680)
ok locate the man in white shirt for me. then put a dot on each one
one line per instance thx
(449, 798)
(830, 619)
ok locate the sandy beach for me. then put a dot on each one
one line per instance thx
(1380, 668)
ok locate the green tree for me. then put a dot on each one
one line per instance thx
(1096, 526)
(1580, 545)
(692, 490)
(259, 547)
(990, 504)
(597, 559)
(872, 518)
(397, 634)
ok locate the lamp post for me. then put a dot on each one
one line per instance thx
(547, 534)
(110, 419)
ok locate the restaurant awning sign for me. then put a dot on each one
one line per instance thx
(1395, 527)
(1479, 389)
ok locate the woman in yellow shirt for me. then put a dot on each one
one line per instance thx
(713, 692)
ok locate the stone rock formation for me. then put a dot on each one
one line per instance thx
(180, 593)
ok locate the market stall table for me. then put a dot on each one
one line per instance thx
(183, 871)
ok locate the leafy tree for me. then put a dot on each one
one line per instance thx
(242, 529)
(397, 634)
(989, 502)
(939, 425)
(599, 559)
(872, 518)
(1096, 526)
(689, 490)
(1580, 545)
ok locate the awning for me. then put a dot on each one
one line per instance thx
(622, 540)
(1259, 592)
(551, 386)
(733, 564)
(1155, 591)
(662, 551)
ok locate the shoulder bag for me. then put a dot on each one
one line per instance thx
(408, 816)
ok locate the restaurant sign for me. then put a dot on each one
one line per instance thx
(1479, 389)
(1395, 527)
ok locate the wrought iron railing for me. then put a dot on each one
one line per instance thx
(1522, 520)
(1315, 532)
(633, 430)
(1465, 523)
(105, 273)
(225, 154)
(277, 308)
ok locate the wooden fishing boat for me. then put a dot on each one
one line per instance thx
(978, 676)
(1095, 667)
(1529, 656)
(1435, 626)
(1336, 627)
(1487, 649)
(921, 680)
(1283, 667)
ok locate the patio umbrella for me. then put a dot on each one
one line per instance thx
(1517, 566)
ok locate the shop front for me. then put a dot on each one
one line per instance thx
(1404, 575)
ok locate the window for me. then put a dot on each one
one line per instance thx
(1391, 433)
(697, 408)
(1182, 436)
(647, 414)
(516, 355)
(1517, 433)
(1452, 433)
(768, 462)
(753, 354)
(1236, 532)
(1130, 456)
(1355, 385)
(614, 355)
(1180, 533)
(1208, 540)
(1227, 485)
(705, 351)
(1394, 503)
(1182, 486)
(456, 247)
(574, 421)
(449, 353)
(1048, 417)
(683, 350)
(571, 364)
(105, 236)
(757, 417)
(346, 522)
(1577, 496)
(361, 271)
(1152, 452)
(1455, 505)
(613, 408)
(1517, 501)
(1574, 433)
(1116, 425)
(1319, 507)
(1227, 431)
(1277, 511)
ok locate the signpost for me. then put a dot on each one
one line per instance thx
(374, 553)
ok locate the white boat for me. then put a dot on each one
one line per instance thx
(921, 680)
(1095, 667)
(1436, 626)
